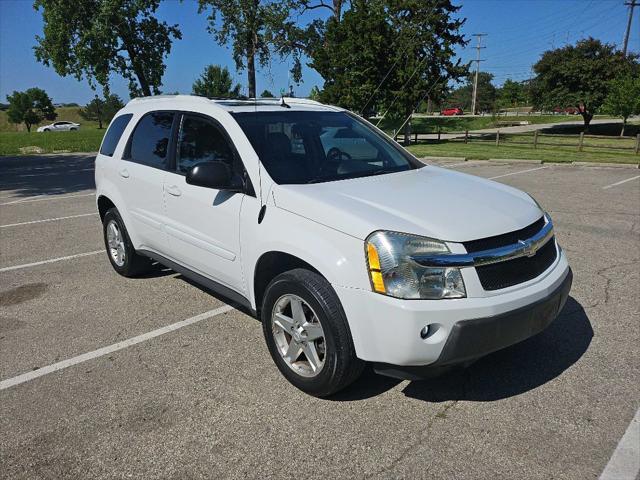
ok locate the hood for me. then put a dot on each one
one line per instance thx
(429, 201)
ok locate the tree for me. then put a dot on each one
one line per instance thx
(623, 99)
(266, 94)
(352, 55)
(579, 76)
(216, 81)
(315, 93)
(512, 94)
(95, 39)
(387, 54)
(256, 29)
(101, 111)
(485, 95)
(30, 107)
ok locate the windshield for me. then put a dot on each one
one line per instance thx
(313, 147)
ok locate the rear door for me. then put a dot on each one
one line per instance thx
(141, 176)
(202, 224)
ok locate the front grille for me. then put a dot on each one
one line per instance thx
(505, 239)
(519, 270)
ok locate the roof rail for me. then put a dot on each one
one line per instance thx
(168, 97)
(291, 100)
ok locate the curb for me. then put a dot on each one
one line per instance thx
(515, 160)
(452, 159)
(604, 164)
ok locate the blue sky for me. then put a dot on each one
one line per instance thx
(518, 32)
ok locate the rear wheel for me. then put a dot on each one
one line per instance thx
(122, 255)
(307, 333)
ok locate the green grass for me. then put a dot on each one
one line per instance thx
(70, 114)
(487, 150)
(459, 124)
(86, 139)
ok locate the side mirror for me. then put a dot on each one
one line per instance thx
(216, 175)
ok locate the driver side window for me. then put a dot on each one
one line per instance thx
(200, 141)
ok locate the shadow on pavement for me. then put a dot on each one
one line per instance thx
(46, 175)
(506, 373)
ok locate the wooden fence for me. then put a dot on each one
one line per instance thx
(535, 139)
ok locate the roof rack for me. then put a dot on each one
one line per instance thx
(248, 101)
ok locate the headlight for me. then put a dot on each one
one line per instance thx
(393, 272)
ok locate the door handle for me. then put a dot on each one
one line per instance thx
(124, 173)
(174, 190)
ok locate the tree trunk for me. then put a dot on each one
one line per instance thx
(28, 125)
(586, 117)
(137, 69)
(624, 124)
(337, 9)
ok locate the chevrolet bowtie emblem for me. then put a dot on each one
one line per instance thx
(527, 247)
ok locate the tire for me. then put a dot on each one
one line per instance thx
(340, 366)
(130, 264)
(74, 129)
(46, 130)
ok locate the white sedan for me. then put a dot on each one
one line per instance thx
(59, 127)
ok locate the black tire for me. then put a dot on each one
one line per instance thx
(134, 264)
(341, 366)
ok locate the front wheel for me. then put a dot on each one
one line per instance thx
(307, 333)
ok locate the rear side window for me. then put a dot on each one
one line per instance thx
(150, 140)
(114, 133)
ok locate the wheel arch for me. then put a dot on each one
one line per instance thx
(270, 265)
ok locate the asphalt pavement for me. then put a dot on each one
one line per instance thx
(154, 377)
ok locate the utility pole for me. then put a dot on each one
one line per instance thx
(477, 60)
(632, 4)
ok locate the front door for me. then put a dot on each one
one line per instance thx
(202, 224)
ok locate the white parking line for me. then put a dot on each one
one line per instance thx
(25, 377)
(39, 198)
(51, 260)
(47, 220)
(620, 182)
(625, 462)
(517, 173)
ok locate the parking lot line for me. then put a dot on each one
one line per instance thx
(39, 198)
(25, 377)
(517, 173)
(620, 182)
(47, 220)
(51, 260)
(625, 461)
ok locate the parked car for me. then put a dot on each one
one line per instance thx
(347, 257)
(62, 126)
(452, 111)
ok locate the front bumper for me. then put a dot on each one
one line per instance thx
(387, 330)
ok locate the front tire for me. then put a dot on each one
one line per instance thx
(307, 333)
(123, 257)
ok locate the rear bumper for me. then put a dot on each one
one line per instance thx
(387, 330)
(472, 339)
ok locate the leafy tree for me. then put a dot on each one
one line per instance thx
(387, 54)
(512, 94)
(335, 6)
(352, 55)
(623, 99)
(101, 111)
(579, 76)
(30, 107)
(485, 96)
(315, 93)
(256, 29)
(97, 38)
(216, 81)
(266, 94)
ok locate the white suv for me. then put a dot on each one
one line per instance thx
(347, 257)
